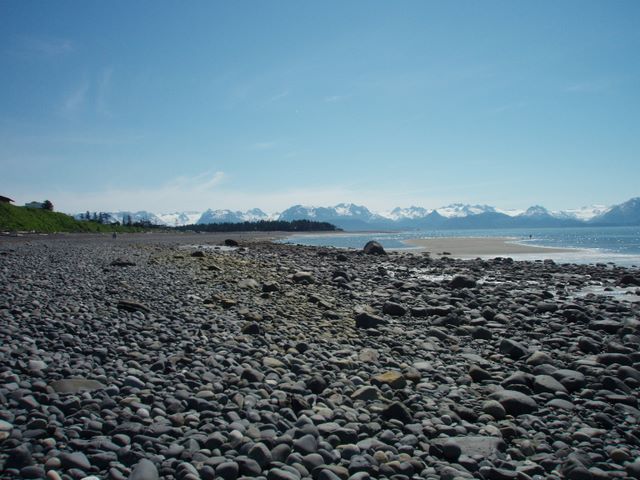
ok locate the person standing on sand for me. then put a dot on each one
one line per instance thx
(114, 235)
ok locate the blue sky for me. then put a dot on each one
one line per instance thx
(190, 105)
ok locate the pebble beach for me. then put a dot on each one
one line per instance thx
(188, 357)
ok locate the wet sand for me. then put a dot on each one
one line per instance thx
(479, 247)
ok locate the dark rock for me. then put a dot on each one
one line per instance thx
(451, 450)
(481, 333)
(317, 384)
(306, 444)
(229, 242)
(367, 320)
(394, 309)
(397, 411)
(462, 281)
(282, 474)
(478, 374)
(228, 470)
(629, 280)
(270, 287)
(252, 375)
(571, 379)
(261, 454)
(33, 471)
(513, 349)
(252, 328)
(120, 262)
(588, 345)
(546, 383)
(19, 457)
(373, 248)
(75, 460)
(133, 306)
(515, 403)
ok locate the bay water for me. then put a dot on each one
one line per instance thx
(618, 245)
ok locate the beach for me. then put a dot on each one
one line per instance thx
(185, 357)
(470, 247)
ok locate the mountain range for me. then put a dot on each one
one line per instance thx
(349, 216)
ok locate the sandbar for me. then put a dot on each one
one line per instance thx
(479, 246)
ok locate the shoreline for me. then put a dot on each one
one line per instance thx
(480, 246)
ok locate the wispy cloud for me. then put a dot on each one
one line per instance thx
(594, 86)
(75, 100)
(103, 91)
(335, 98)
(203, 182)
(269, 145)
(180, 193)
(508, 107)
(278, 96)
(30, 45)
(91, 93)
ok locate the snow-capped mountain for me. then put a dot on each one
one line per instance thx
(178, 219)
(406, 213)
(229, 216)
(583, 213)
(344, 215)
(141, 216)
(536, 211)
(349, 216)
(463, 210)
(627, 213)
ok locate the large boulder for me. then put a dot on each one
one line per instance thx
(462, 281)
(367, 320)
(373, 248)
(515, 403)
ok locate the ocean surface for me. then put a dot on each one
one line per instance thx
(619, 245)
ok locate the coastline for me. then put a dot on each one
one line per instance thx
(479, 246)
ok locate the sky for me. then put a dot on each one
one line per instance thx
(170, 106)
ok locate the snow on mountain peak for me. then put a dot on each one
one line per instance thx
(411, 212)
(536, 211)
(463, 210)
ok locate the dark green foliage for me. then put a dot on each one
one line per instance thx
(47, 205)
(263, 226)
(23, 219)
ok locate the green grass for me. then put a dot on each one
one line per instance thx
(23, 219)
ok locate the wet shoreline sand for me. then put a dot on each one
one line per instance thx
(476, 246)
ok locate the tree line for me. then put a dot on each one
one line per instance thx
(263, 226)
(104, 218)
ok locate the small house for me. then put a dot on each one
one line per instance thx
(35, 205)
(5, 199)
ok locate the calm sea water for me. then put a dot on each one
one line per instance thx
(620, 245)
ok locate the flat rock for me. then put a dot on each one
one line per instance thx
(133, 306)
(471, 446)
(75, 385)
(394, 379)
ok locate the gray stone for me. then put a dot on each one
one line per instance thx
(515, 403)
(75, 385)
(144, 470)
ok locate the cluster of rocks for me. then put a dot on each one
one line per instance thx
(149, 361)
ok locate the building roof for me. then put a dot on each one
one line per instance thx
(5, 199)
